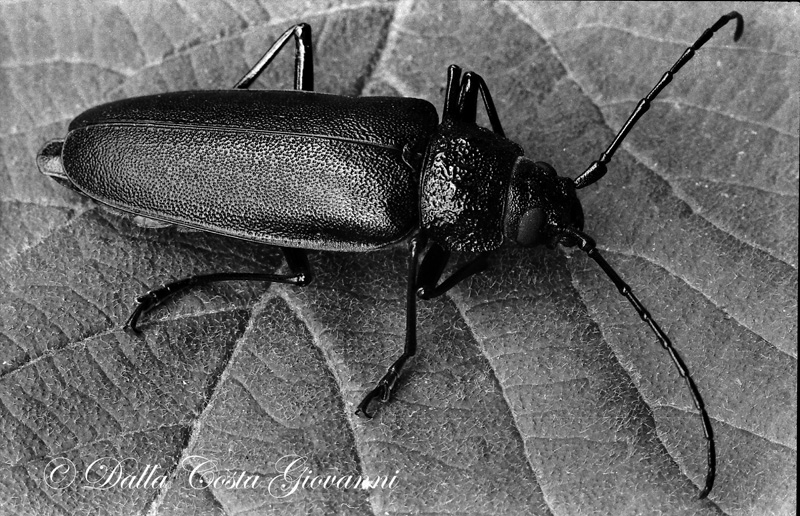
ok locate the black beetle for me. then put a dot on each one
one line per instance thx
(304, 170)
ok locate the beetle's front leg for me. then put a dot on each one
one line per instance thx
(386, 384)
(423, 282)
(433, 265)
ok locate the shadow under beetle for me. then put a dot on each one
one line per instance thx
(304, 170)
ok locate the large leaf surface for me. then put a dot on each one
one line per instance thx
(536, 389)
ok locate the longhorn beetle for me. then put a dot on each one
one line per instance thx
(304, 170)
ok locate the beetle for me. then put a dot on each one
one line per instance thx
(308, 171)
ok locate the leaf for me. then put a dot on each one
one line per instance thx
(536, 388)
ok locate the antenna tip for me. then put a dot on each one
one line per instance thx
(739, 24)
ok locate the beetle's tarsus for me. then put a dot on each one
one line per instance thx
(141, 307)
(383, 389)
(144, 303)
(130, 324)
(361, 410)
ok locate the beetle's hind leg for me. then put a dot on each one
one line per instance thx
(297, 260)
(303, 59)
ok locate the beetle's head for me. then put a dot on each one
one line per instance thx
(541, 205)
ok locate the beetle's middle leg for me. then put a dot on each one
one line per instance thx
(461, 98)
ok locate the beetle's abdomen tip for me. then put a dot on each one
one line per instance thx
(49, 159)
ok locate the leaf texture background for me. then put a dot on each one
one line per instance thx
(536, 389)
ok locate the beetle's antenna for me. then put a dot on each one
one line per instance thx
(587, 244)
(598, 168)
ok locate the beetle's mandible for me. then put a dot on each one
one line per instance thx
(304, 170)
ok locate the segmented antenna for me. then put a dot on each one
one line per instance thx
(587, 244)
(598, 168)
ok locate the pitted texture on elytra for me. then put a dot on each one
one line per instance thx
(464, 186)
(285, 182)
(389, 121)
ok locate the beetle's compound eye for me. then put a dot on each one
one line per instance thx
(529, 231)
(547, 168)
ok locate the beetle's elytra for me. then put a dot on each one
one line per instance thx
(304, 170)
(334, 200)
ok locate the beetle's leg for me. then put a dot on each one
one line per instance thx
(471, 85)
(451, 92)
(461, 98)
(598, 168)
(433, 265)
(296, 259)
(386, 384)
(303, 59)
